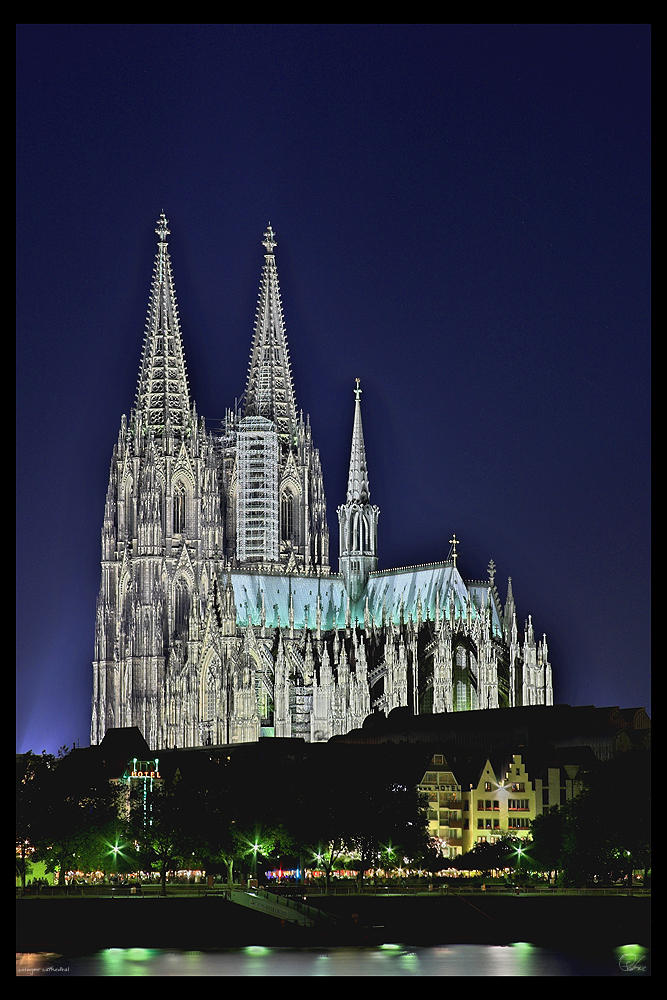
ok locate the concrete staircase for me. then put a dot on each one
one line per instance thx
(283, 907)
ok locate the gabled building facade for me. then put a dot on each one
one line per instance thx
(219, 619)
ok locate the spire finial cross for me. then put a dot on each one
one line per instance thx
(269, 241)
(357, 391)
(454, 541)
(162, 228)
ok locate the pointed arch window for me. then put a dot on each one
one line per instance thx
(461, 683)
(181, 607)
(365, 527)
(287, 517)
(129, 508)
(179, 509)
(356, 540)
(211, 706)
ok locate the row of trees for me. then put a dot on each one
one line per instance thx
(233, 815)
(220, 817)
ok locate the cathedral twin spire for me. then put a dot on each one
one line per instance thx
(163, 398)
(269, 390)
(163, 407)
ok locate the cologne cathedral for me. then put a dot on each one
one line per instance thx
(219, 619)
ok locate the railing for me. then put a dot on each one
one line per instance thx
(336, 888)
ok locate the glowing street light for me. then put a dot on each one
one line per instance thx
(255, 848)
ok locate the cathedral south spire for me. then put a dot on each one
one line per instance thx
(163, 400)
(357, 518)
(269, 390)
(274, 489)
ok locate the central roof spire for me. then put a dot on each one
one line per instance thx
(269, 390)
(358, 488)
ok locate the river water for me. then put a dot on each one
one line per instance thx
(518, 959)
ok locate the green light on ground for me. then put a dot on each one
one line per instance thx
(257, 950)
(139, 954)
(627, 949)
(112, 961)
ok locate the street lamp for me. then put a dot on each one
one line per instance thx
(255, 848)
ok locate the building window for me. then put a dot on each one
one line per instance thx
(179, 509)
(480, 824)
(210, 701)
(487, 786)
(287, 517)
(181, 607)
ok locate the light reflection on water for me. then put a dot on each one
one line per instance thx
(519, 959)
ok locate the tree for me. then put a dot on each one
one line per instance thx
(364, 814)
(164, 833)
(31, 772)
(485, 857)
(76, 803)
(548, 834)
(597, 835)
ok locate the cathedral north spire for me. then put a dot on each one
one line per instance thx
(163, 397)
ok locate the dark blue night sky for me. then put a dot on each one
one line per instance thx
(463, 221)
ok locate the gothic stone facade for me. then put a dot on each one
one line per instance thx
(219, 619)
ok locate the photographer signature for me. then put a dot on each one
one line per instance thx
(630, 963)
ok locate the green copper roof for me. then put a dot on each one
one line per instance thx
(389, 589)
